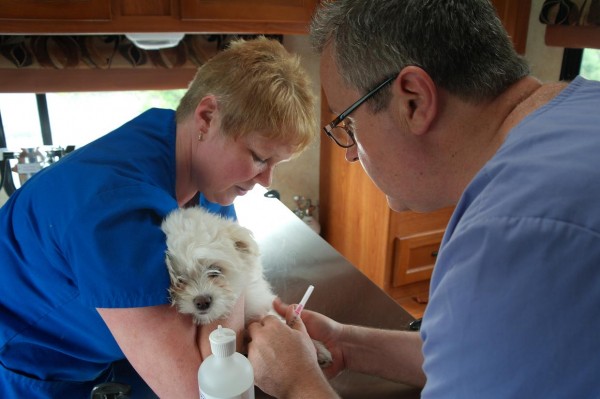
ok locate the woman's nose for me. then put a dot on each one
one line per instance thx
(352, 154)
(265, 177)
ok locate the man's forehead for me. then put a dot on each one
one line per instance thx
(338, 94)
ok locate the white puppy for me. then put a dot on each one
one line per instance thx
(211, 262)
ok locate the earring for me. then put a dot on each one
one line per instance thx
(200, 136)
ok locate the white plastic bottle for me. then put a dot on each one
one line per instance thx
(226, 374)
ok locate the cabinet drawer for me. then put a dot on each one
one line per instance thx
(414, 257)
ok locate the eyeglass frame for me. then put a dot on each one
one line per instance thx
(333, 124)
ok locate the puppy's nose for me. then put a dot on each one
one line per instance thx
(203, 302)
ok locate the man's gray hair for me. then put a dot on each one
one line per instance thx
(461, 44)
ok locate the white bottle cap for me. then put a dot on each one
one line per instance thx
(222, 342)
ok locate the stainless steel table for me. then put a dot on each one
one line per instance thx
(294, 257)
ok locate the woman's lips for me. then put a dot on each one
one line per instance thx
(241, 190)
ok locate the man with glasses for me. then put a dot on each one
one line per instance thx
(340, 129)
(449, 115)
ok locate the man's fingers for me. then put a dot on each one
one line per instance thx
(280, 307)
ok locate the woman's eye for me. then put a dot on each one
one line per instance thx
(258, 159)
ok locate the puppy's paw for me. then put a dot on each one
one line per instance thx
(324, 357)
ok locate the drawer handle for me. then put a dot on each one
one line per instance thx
(434, 254)
(415, 325)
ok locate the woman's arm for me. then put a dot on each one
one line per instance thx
(164, 346)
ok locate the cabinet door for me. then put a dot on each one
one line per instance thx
(278, 11)
(98, 10)
(353, 212)
(515, 18)
(415, 239)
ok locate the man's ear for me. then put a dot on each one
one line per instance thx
(418, 98)
(205, 113)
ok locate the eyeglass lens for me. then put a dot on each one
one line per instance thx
(341, 136)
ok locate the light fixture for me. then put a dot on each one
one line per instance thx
(155, 41)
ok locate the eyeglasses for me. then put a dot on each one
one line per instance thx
(338, 130)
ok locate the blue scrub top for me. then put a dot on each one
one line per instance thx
(514, 306)
(83, 234)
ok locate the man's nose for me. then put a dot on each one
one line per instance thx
(352, 154)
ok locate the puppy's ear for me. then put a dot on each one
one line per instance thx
(174, 274)
(243, 241)
(242, 246)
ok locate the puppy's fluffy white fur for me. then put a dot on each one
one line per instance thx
(211, 262)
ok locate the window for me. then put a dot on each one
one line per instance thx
(20, 120)
(584, 62)
(62, 120)
(74, 118)
(590, 64)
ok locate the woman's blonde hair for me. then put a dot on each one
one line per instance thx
(260, 89)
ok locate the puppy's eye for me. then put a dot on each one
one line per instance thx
(180, 282)
(214, 271)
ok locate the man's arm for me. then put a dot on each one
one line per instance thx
(393, 355)
(285, 361)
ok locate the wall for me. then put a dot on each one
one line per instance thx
(301, 175)
(545, 61)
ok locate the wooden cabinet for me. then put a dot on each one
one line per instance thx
(413, 243)
(288, 12)
(65, 10)
(515, 17)
(188, 16)
(414, 257)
